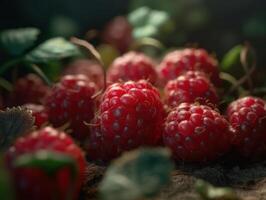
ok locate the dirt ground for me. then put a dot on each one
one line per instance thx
(249, 181)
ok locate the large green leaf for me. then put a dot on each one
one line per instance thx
(138, 174)
(52, 50)
(17, 41)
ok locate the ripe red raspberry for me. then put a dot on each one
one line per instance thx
(71, 101)
(196, 133)
(132, 66)
(88, 68)
(131, 114)
(247, 116)
(191, 87)
(118, 33)
(33, 183)
(177, 62)
(28, 89)
(39, 113)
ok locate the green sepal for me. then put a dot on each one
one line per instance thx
(14, 122)
(49, 162)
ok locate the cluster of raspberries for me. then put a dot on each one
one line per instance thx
(174, 104)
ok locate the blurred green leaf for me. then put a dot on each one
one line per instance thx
(51, 50)
(150, 23)
(209, 192)
(13, 123)
(63, 26)
(6, 189)
(49, 161)
(17, 41)
(52, 69)
(137, 174)
(231, 58)
(255, 27)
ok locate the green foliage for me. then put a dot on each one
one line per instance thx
(48, 161)
(150, 23)
(231, 58)
(136, 175)
(17, 41)
(51, 50)
(6, 189)
(13, 123)
(209, 192)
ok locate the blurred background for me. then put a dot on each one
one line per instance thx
(213, 24)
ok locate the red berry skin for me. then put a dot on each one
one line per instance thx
(39, 113)
(33, 183)
(71, 100)
(132, 66)
(131, 114)
(196, 133)
(87, 67)
(193, 86)
(248, 117)
(28, 89)
(177, 62)
(118, 33)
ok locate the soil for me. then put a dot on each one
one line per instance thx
(248, 181)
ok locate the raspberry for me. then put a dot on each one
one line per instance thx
(177, 62)
(39, 113)
(247, 116)
(71, 101)
(118, 33)
(88, 68)
(28, 89)
(33, 183)
(132, 66)
(131, 114)
(196, 133)
(190, 87)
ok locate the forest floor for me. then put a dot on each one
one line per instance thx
(248, 180)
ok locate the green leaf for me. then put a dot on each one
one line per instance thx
(13, 123)
(231, 58)
(17, 41)
(150, 23)
(6, 189)
(209, 192)
(52, 50)
(137, 174)
(50, 162)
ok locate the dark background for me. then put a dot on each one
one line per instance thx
(222, 24)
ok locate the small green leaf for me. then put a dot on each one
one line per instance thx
(13, 123)
(137, 174)
(209, 192)
(48, 161)
(52, 50)
(17, 41)
(231, 58)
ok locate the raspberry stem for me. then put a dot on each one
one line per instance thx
(96, 55)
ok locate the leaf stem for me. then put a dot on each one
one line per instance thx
(7, 65)
(38, 71)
